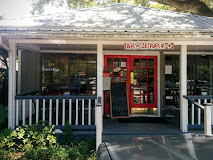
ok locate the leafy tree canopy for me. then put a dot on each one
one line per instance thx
(199, 7)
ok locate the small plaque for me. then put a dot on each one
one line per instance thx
(168, 69)
(123, 64)
(106, 81)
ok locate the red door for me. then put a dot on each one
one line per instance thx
(142, 85)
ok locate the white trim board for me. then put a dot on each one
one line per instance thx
(107, 42)
(190, 52)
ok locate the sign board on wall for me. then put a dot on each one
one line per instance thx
(144, 46)
(168, 69)
(106, 81)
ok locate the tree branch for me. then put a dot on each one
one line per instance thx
(194, 6)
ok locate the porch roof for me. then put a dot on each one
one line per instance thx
(117, 17)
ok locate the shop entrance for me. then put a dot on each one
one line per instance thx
(140, 73)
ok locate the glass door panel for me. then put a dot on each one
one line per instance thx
(144, 88)
(117, 67)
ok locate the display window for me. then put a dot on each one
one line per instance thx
(69, 74)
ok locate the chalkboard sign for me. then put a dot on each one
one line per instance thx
(119, 104)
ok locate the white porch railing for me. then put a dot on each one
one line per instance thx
(57, 110)
(200, 112)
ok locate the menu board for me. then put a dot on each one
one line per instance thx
(119, 104)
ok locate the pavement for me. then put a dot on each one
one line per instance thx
(188, 146)
(140, 126)
(157, 140)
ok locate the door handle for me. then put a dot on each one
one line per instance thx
(132, 78)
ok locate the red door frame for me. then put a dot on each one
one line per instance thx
(130, 68)
(154, 105)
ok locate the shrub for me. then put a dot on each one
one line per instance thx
(3, 114)
(39, 142)
(68, 135)
(29, 137)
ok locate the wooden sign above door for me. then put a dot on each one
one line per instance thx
(145, 46)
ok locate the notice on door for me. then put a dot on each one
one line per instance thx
(106, 81)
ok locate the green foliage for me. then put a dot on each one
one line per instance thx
(76, 4)
(160, 6)
(79, 151)
(38, 6)
(25, 139)
(3, 113)
(209, 3)
(83, 149)
(68, 135)
(39, 142)
(54, 152)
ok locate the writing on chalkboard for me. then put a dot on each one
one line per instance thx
(119, 100)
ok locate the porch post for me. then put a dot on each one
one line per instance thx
(99, 105)
(11, 86)
(183, 89)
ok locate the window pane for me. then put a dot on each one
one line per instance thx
(74, 68)
(136, 81)
(123, 79)
(143, 71)
(124, 71)
(116, 61)
(136, 62)
(136, 89)
(143, 62)
(110, 69)
(143, 99)
(143, 80)
(136, 99)
(143, 89)
(150, 80)
(151, 90)
(123, 62)
(55, 73)
(151, 99)
(91, 70)
(109, 61)
(150, 71)
(136, 71)
(150, 62)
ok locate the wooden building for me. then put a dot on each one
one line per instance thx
(161, 55)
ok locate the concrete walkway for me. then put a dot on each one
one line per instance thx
(168, 147)
(123, 140)
(158, 126)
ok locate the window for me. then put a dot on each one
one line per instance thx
(73, 74)
(199, 77)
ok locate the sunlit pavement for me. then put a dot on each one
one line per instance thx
(152, 141)
(172, 147)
